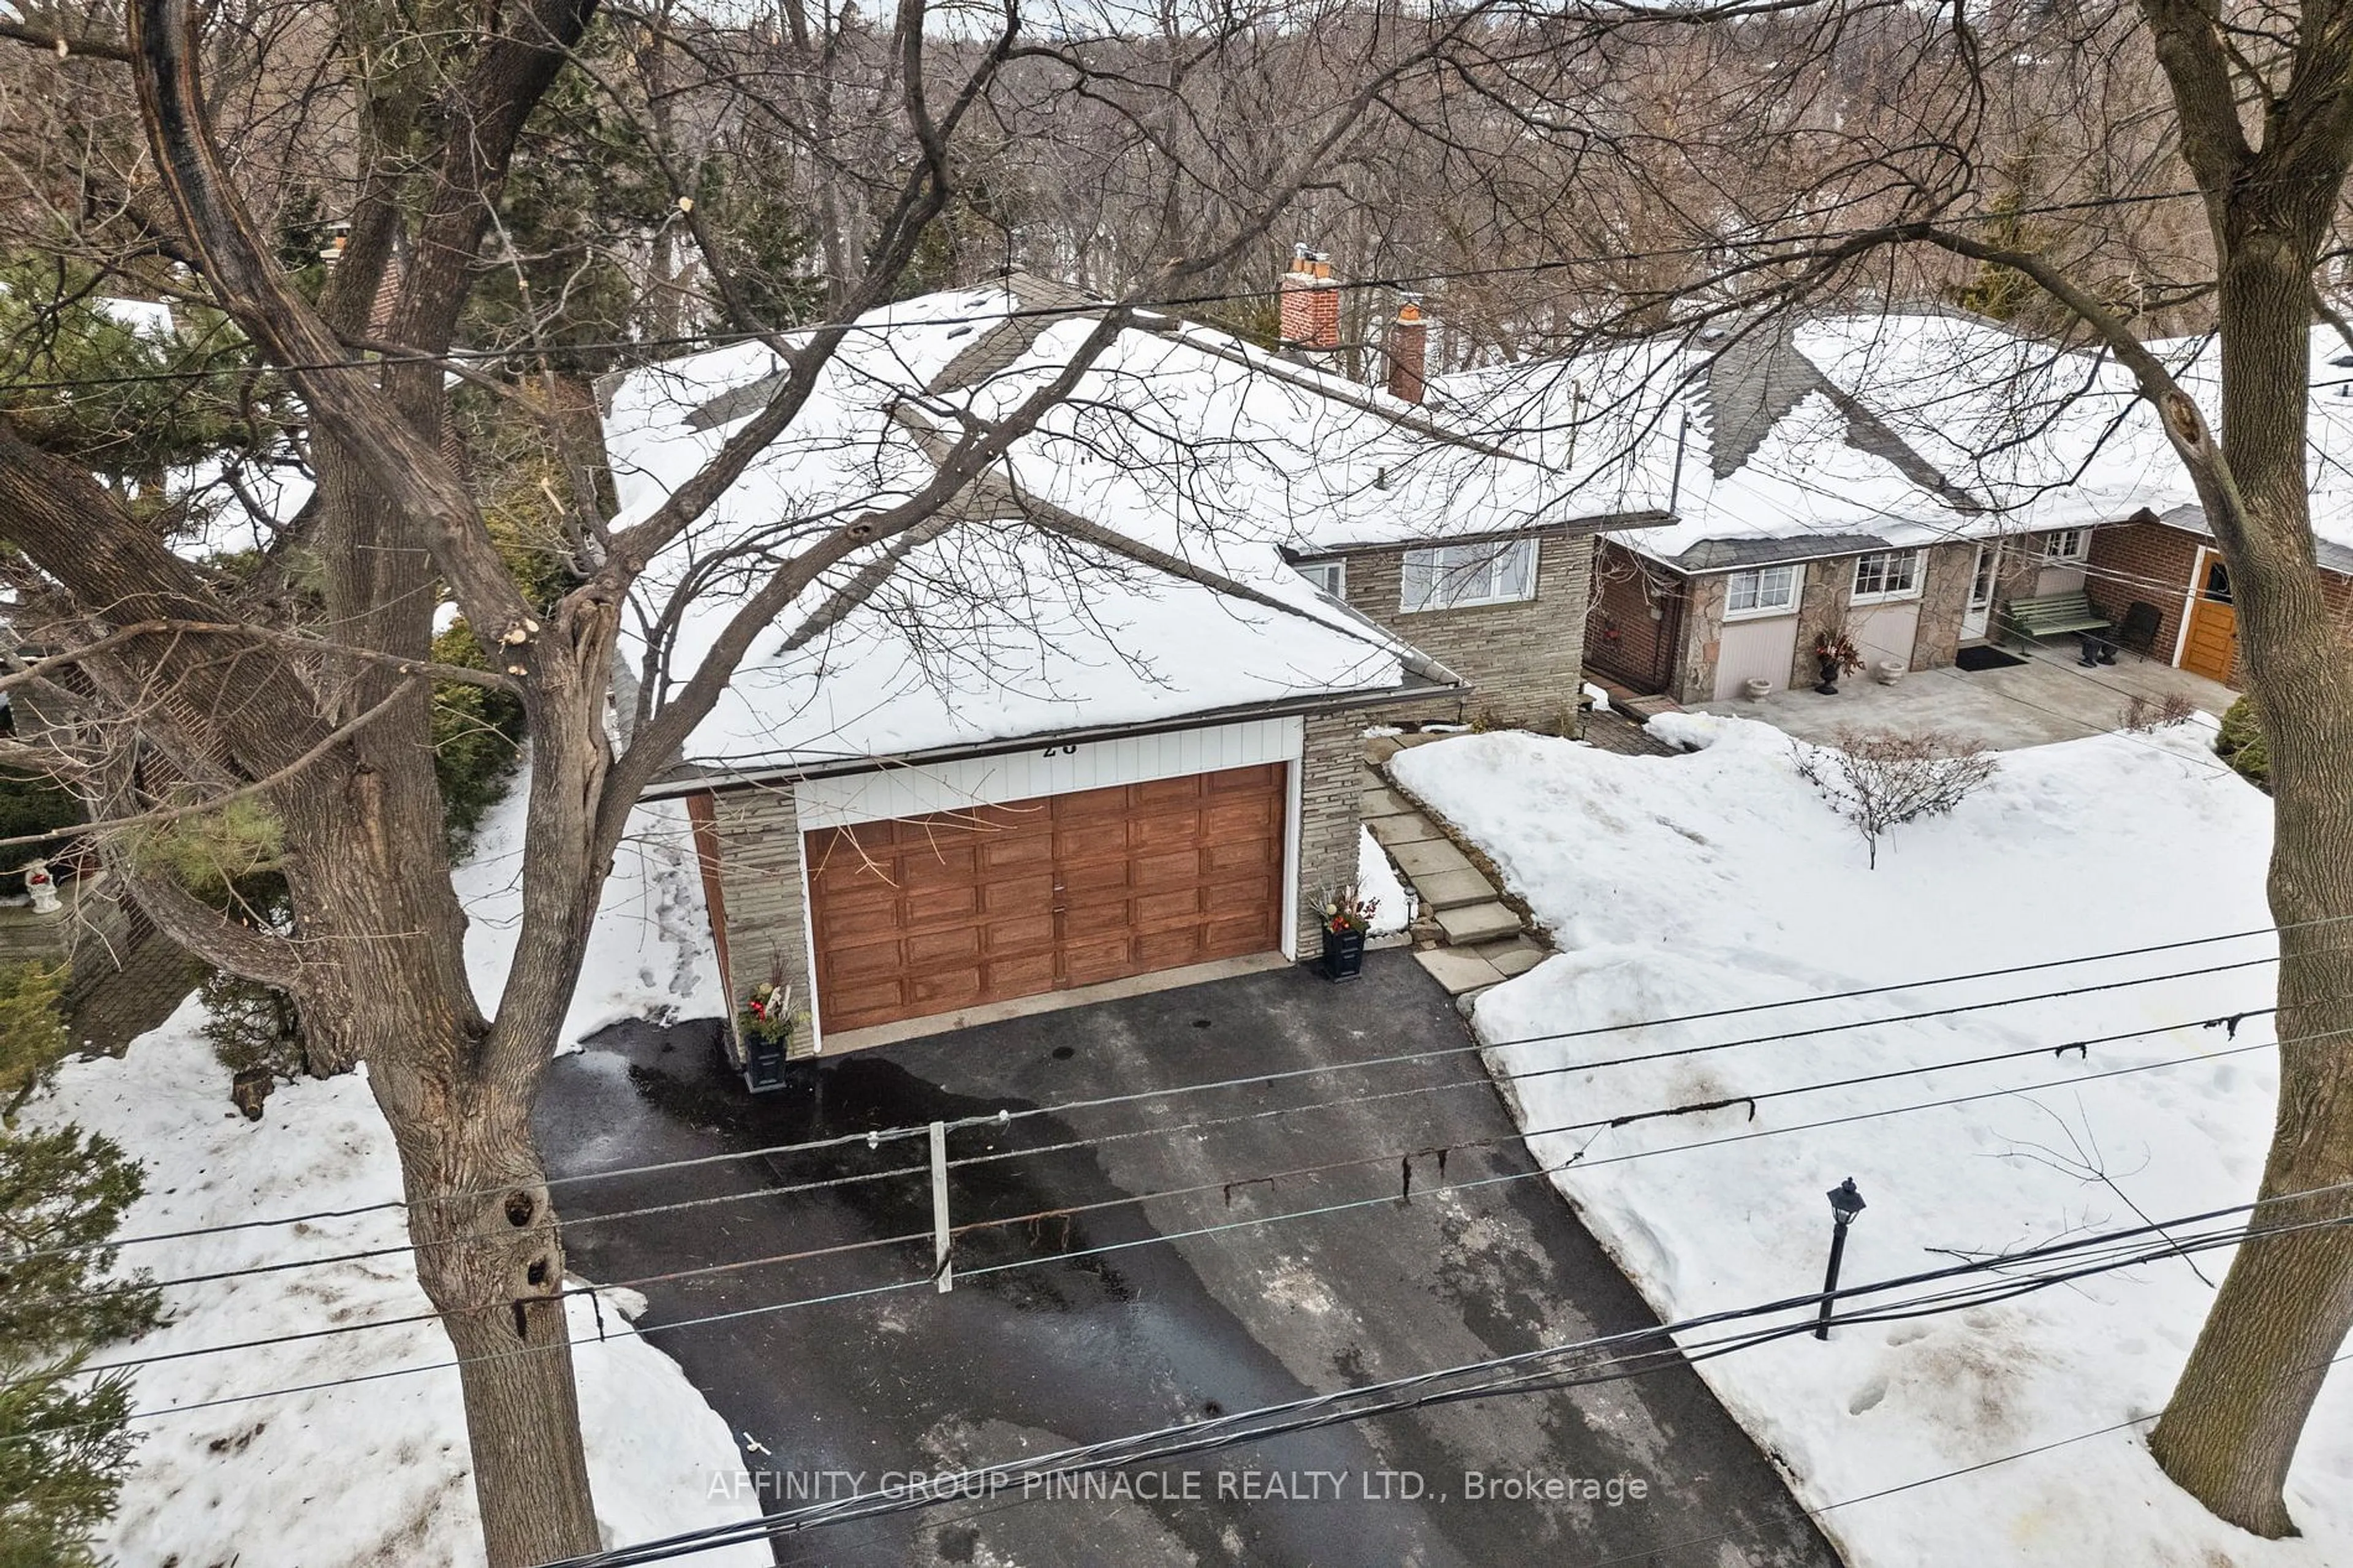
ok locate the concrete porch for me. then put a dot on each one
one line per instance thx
(2048, 697)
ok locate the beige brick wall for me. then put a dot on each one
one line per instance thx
(760, 881)
(1525, 661)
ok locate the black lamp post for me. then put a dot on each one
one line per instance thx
(1845, 1203)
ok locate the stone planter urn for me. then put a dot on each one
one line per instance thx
(1756, 688)
(1888, 671)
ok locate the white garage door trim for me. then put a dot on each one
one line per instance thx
(914, 790)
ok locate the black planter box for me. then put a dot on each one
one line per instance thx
(1344, 954)
(764, 1064)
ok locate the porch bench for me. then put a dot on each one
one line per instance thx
(2051, 615)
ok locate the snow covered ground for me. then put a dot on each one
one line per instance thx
(1377, 879)
(650, 955)
(1722, 879)
(374, 1471)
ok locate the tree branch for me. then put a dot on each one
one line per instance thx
(65, 47)
(399, 459)
(163, 815)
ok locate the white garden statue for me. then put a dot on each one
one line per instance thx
(42, 886)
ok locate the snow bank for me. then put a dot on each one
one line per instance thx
(370, 1472)
(649, 953)
(376, 1471)
(1377, 879)
(1719, 879)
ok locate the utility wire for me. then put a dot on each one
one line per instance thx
(1319, 1410)
(1406, 280)
(1253, 1222)
(1003, 1119)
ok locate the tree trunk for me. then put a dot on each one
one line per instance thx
(459, 1105)
(2231, 1430)
(492, 1261)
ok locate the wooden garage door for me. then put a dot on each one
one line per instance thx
(927, 914)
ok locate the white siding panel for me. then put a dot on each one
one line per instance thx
(1755, 649)
(2060, 579)
(914, 790)
(1885, 633)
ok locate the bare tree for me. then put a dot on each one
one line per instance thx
(172, 686)
(1919, 158)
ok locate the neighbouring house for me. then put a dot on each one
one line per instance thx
(1899, 479)
(1476, 551)
(1092, 724)
(2172, 562)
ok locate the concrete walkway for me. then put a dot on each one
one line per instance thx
(1468, 938)
(2048, 697)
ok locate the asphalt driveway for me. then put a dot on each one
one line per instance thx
(1061, 1349)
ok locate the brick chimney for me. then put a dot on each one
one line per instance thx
(1311, 302)
(1408, 350)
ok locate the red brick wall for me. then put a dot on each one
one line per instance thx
(1310, 302)
(1622, 639)
(2145, 561)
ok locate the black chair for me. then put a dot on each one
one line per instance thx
(2138, 630)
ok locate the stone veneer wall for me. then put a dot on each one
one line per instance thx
(1703, 639)
(757, 832)
(1944, 600)
(1331, 797)
(1824, 604)
(1525, 661)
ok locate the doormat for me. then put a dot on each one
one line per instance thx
(1985, 656)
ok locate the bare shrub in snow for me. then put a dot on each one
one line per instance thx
(2144, 713)
(1879, 781)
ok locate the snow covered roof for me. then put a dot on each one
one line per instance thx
(1845, 434)
(1023, 610)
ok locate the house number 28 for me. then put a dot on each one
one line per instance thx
(1069, 751)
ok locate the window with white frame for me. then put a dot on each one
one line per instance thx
(1888, 574)
(1767, 591)
(1449, 576)
(1332, 576)
(2069, 545)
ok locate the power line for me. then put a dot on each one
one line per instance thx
(1068, 1212)
(1069, 1254)
(1319, 1410)
(874, 1138)
(1411, 280)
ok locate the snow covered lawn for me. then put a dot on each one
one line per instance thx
(1721, 879)
(374, 1472)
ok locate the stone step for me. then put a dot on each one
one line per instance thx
(1516, 956)
(1458, 969)
(1413, 827)
(1379, 800)
(1421, 858)
(1453, 890)
(1476, 924)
